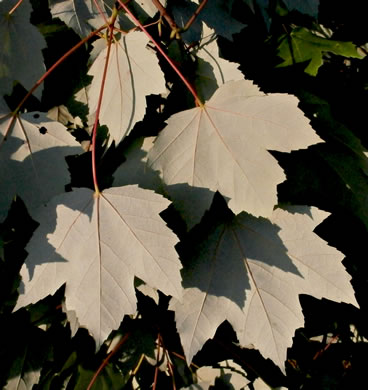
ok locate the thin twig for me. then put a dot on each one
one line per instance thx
(167, 58)
(134, 372)
(194, 16)
(183, 358)
(157, 363)
(56, 64)
(106, 360)
(95, 126)
(164, 14)
(100, 11)
(15, 7)
(171, 371)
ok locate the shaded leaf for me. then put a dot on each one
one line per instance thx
(328, 175)
(32, 158)
(308, 7)
(135, 170)
(80, 15)
(141, 341)
(31, 352)
(21, 47)
(148, 6)
(223, 146)
(212, 70)
(303, 45)
(110, 378)
(229, 371)
(119, 234)
(216, 14)
(250, 272)
(133, 73)
(60, 114)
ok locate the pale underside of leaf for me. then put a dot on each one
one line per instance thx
(212, 70)
(224, 146)
(97, 245)
(148, 6)
(80, 15)
(32, 158)
(21, 47)
(251, 273)
(135, 170)
(133, 73)
(228, 370)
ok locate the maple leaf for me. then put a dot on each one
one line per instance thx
(97, 244)
(303, 45)
(212, 70)
(216, 14)
(308, 7)
(32, 158)
(337, 169)
(32, 350)
(133, 73)
(21, 47)
(135, 170)
(250, 272)
(80, 15)
(25, 367)
(223, 146)
(109, 378)
(147, 5)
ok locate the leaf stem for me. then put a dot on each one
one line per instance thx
(157, 363)
(194, 16)
(164, 14)
(107, 359)
(95, 126)
(134, 372)
(55, 65)
(167, 58)
(100, 11)
(15, 7)
(171, 371)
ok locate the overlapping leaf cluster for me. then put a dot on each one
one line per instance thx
(248, 269)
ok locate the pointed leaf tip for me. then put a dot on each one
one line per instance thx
(224, 146)
(251, 273)
(97, 245)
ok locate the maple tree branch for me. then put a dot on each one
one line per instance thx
(194, 16)
(107, 359)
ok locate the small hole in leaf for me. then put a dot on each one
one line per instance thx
(36, 116)
(43, 130)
